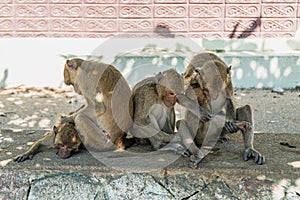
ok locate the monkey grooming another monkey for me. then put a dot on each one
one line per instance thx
(107, 116)
(154, 99)
(210, 83)
(63, 137)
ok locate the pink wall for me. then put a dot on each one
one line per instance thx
(187, 18)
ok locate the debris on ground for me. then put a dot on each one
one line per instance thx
(278, 90)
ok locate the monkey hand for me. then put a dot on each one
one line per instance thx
(205, 115)
(252, 153)
(244, 126)
(231, 127)
(23, 157)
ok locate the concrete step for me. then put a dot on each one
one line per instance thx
(152, 175)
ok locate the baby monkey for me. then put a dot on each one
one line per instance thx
(64, 138)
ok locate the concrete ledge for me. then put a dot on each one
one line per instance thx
(221, 175)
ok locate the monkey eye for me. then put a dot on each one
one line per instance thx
(172, 93)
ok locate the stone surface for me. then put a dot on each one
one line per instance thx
(221, 175)
(60, 186)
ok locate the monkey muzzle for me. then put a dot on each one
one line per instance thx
(64, 152)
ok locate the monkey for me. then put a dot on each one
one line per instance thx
(154, 99)
(63, 137)
(106, 118)
(209, 81)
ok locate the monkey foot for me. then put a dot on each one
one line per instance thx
(194, 161)
(177, 148)
(252, 153)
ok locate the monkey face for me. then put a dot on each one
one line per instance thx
(169, 98)
(69, 75)
(66, 139)
(70, 70)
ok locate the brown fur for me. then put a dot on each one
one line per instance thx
(63, 137)
(151, 92)
(209, 73)
(108, 113)
(153, 119)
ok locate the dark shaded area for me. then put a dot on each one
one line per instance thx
(164, 31)
(246, 33)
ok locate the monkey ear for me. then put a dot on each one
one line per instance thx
(159, 77)
(228, 69)
(55, 130)
(71, 64)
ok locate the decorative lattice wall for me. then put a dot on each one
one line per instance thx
(179, 18)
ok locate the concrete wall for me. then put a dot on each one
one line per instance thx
(255, 63)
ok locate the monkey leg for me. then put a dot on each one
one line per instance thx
(211, 135)
(244, 114)
(160, 139)
(187, 134)
(182, 143)
(91, 134)
(156, 137)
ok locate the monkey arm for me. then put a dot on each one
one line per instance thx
(202, 113)
(39, 145)
(245, 114)
(160, 122)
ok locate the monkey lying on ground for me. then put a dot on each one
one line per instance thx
(63, 137)
(210, 84)
(154, 99)
(107, 116)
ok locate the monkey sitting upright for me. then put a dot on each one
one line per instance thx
(63, 137)
(210, 83)
(103, 122)
(154, 99)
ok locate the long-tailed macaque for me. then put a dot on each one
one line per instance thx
(107, 116)
(209, 81)
(63, 137)
(154, 99)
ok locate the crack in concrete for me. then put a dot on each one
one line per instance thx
(163, 186)
(186, 198)
(28, 191)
